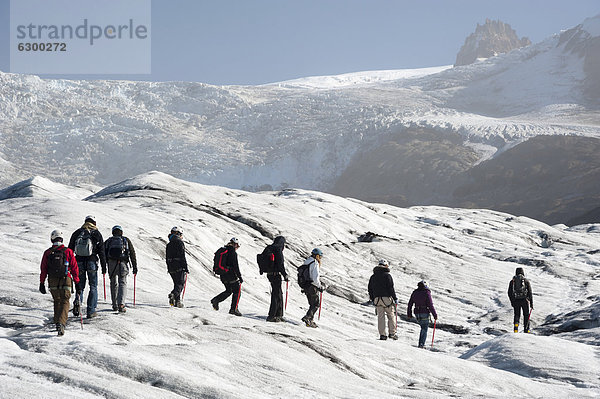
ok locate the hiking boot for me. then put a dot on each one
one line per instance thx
(383, 337)
(76, 309)
(306, 321)
(279, 319)
(313, 324)
(235, 312)
(215, 305)
(393, 336)
(178, 304)
(122, 308)
(516, 327)
(171, 299)
(272, 319)
(91, 315)
(115, 308)
(60, 329)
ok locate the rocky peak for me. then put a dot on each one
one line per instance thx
(488, 40)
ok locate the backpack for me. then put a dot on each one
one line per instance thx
(519, 287)
(83, 244)
(56, 263)
(117, 248)
(219, 267)
(266, 260)
(304, 279)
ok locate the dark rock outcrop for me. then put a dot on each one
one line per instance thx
(488, 40)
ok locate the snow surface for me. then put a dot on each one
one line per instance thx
(155, 351)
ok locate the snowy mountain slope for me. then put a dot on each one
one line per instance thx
(263, 137)
(468, 256)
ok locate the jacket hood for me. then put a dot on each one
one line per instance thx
(279, 242)
(381, 269)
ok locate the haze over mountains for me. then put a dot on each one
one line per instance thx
(448, 136)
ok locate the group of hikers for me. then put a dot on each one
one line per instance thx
(76, 264)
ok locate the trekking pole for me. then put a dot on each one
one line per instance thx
(286, 294)
(134, 276)
(238, 298)
(104, 282)
(529, 318)
(320, 302)
(433, 336)
(184, 284)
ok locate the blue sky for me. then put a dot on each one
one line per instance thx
(259, 41)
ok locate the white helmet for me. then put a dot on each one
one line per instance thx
(91, 218)
(176, 230)
(383, 262)
(56, 234)
(234, 241)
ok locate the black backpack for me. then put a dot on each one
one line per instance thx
(117, 248)
(219, 267)
(304, 279)
(519, 287)
(56, 263)
(266, 260)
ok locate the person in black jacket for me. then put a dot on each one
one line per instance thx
(232, 279)
(88, 245)
(383, 296)
(176, 265)
(119, 253)
(276, 308)
(521, 297)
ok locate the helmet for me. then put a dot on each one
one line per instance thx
(90, 218)
(177, 230)
(383, 262)
(423, 284)
(234, 241)
(117, 227)
(56, 234)
(317, 251)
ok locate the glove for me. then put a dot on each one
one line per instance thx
(104, 270)
(78, 289)
(396, 302)
(435, 318)
(321, 288)
(186, 270)
(286, 279)
(241, 279)
(42, 288)
(135, 270)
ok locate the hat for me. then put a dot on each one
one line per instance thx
(519, 271)
(317, 251)
(383, 262)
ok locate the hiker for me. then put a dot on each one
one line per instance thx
(383, 296)
(119, 253)
(60, 265)
(276, 308)
(226, 258)
(88, 245)
(546, 241)
(313, 287)
(521, 298)
(176, 265)
(421, 298)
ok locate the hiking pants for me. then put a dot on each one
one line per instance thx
(385, 308)
(312, 294)
(118, 271)
(60, 288)
(524, 305)
(178, 283)
(423, 320)
(233, 288)
(276, 309)
(88, 270)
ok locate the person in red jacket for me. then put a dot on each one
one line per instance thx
(60, 266)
